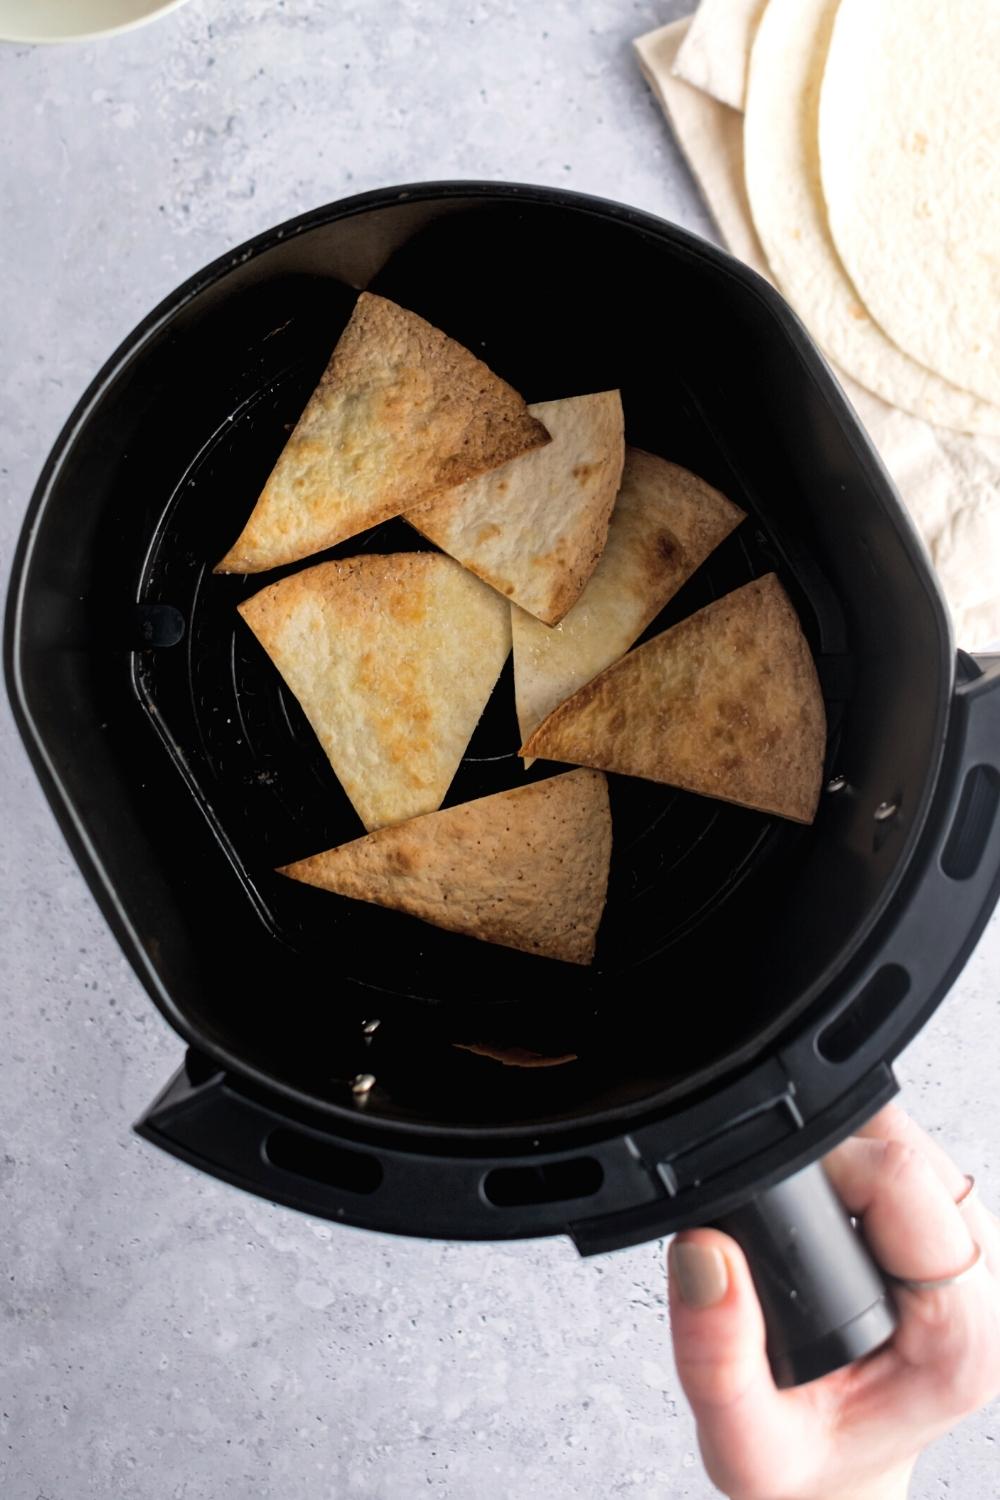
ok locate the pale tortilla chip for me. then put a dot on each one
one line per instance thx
(535, 528)
(392, 658)
(665, 523)
(726, 704)
(526, 868)
(401, 413)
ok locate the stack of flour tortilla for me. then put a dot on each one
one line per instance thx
(850, 151)
(557, 540)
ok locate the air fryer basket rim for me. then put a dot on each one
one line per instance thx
(475, 189)
(483, 192)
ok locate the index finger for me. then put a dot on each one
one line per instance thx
(910, 1220)
(893, 1124)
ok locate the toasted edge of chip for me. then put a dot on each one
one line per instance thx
(726, 704)
(516, 1057)
(525, 868)
(535, 528)
(665, 523)
(392, 658)
(401, 413)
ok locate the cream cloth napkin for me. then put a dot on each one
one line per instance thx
(715, 49)
(949, 481)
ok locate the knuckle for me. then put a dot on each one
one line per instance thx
(900, 1161)
(935, 1313)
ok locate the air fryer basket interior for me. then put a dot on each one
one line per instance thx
(197, 773)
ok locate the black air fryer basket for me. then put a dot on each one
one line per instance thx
(754, 979)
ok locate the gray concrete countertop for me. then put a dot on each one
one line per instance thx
(165, 1337)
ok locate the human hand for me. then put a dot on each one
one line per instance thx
(855, 1434)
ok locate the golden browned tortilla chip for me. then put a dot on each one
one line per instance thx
(516, 1057)
(536, 527)
(526, 868)
(392, 658)
(665, 523)
(401, 413)
(727, 704)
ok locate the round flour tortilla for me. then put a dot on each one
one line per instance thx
(786, 200)
(910, 147)
(948, 480)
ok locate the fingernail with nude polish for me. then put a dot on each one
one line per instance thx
(699, 1272)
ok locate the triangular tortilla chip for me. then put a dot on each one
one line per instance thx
(536, 527)
(665, 523)
(392, 659)
(526, 868)
(727, 704)
(401, 413)
(516, 1057)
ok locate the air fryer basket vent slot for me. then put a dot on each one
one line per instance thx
(321, 1161)
(977, 810)
(863, 1017)
(554, 1182)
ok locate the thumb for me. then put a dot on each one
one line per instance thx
(744, 1422)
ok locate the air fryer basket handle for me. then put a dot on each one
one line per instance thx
(825, 1303)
